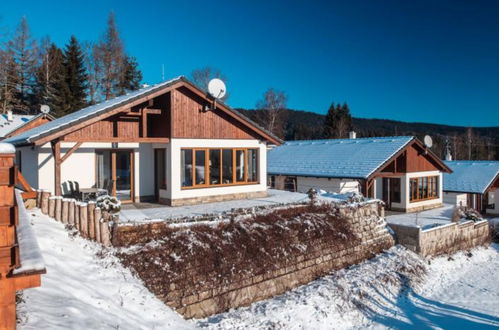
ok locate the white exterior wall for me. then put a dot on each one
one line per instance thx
(340, 186)
(29, 165)
(455, 198)
(80, 166)
(174, 190)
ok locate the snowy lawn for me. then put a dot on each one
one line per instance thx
(87, 289)
(275, 197)
(83, 290)
(424, 219)
(457, 293)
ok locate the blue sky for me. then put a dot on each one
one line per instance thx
(425, 61)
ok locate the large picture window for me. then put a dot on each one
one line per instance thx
(423, 188)
(218, 167)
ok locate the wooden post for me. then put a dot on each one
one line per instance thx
(97, 218)
(56, 150)
(65, 211)
(84, 220)
(52, 206)
(45, 201)
(71, 213)
(58, 208)
(39, 198)
(105, 233)
(91, 222)
(77, 216)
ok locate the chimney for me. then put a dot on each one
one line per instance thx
(9, 115)
(352, 135)
(448, 155)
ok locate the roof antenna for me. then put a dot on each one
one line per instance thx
(162, 72)
(217, 89)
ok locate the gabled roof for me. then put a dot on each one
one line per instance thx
(470, 176)
(339, 158)
(95, 110)
(7, 126)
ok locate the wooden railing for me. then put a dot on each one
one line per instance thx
(15, 239)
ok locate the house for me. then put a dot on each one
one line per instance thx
(399, 170)
(473, 184)
(12, 124)
(170, 143)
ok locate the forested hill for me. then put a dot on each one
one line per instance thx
(304, 125)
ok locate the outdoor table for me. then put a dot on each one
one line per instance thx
(86, 192)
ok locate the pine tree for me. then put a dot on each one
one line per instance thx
(76, 76)
(329, 123)
(50, 81)
(131, 76)
(24, 53)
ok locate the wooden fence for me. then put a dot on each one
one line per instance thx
(21, 264)
(90, 221)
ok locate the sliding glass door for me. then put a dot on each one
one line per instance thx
(115, 173)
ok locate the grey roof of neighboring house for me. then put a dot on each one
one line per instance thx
(470, 176)
(338, 158)
(7, 126)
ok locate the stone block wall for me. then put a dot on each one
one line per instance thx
(199, 297)
(443, 239)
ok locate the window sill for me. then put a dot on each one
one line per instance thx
(221, 185)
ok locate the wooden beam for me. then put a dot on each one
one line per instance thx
(153, 111)
(120, 139)
(70, 151)
(56, 150)
(24, 183)
(144, 123)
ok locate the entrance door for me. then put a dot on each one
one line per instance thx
(391, 191)
(115, 173)
(159, 171)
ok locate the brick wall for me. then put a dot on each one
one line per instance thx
(443, 239)
(201, 297)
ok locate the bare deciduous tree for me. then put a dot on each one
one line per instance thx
(201, 77)
(272, 110)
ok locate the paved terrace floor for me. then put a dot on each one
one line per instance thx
(144, 212)
(424, 219)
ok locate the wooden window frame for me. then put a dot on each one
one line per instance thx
(207, 183)
(431, 188)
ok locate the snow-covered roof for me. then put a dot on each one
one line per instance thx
(7, 126)
(470, 176)
(86, 113)
(339, 158)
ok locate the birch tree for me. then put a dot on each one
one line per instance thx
(272, 109)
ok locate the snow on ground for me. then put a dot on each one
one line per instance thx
(82, 290)
(461, 293)
(424, 219)
(275, 197)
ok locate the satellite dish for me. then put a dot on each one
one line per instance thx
(428, 141)
(44, 109)
(216, 88)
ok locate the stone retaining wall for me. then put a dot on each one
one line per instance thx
(193, 298)
(443, 239)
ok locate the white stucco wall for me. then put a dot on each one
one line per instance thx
(174, 190)
(328, 184)
(455, 198)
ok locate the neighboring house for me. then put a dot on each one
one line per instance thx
(399, 170)
(169, 142)
(13, 124)
(473, 184)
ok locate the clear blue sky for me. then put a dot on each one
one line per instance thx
(427, 61)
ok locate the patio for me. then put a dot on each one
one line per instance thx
(144, 212)
(425, 219)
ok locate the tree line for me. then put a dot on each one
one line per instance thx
(35, 72)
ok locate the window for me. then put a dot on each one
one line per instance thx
(423, 188)
(186, 166)
(218, 167)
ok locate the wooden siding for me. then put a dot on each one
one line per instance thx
(418, 161)
(191, 121)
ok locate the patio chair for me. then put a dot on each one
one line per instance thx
(75, 190)
(107, 189)
(67, 190)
